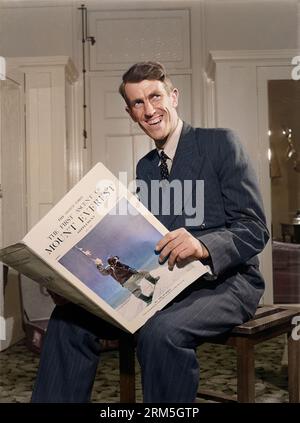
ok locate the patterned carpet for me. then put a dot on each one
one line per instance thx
(18, 368)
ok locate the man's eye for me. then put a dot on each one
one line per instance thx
(156, 97)
(138, 104)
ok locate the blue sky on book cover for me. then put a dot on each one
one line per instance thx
(129, 236)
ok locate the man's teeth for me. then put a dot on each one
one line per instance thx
(154, 121)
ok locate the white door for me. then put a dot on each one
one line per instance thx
(12, 202)
(125, 37)
(116, 140)
(13, 156)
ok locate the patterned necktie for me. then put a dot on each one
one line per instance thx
(164, 171)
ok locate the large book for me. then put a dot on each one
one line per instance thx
(96, 248)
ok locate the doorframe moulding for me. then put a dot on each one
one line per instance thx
(264, 57)
(40, 61)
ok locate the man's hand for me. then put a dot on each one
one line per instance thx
(180, 247)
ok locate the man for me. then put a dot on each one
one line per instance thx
(229, 238)
(128, 277)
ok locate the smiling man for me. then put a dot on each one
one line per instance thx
(152, 104)
(232, 234)
(228, 239)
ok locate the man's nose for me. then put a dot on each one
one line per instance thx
(149, 109)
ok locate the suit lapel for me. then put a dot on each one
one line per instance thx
(182, 168)
(153, 171)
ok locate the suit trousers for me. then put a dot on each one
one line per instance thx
(166, 344)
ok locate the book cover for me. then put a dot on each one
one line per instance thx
(96, 248)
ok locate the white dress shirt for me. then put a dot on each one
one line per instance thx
(171, 144)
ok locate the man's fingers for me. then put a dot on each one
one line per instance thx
(164, 241)
(183, 258)
(180, 247)
(170, 236)
(168, 249)
(175, 254)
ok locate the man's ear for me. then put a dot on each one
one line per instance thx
(129, 111)
(174, 97)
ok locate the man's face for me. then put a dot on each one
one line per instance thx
(153, 108)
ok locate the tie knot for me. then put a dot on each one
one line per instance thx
(163, 156)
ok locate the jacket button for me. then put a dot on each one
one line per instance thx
(202, 226)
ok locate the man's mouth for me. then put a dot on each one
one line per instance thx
(154, 121)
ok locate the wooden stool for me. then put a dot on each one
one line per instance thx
(268, 322)
(127, 367)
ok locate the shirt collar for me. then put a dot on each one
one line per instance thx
(172, 141)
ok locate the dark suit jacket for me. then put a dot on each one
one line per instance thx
(234, 227)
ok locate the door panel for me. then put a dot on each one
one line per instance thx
(13, 160)
(137, 35)
(12, 203)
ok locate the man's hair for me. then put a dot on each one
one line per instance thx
(152, 71)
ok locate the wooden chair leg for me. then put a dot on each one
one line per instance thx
(245, 370)
(294, 369)
(127, 367)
